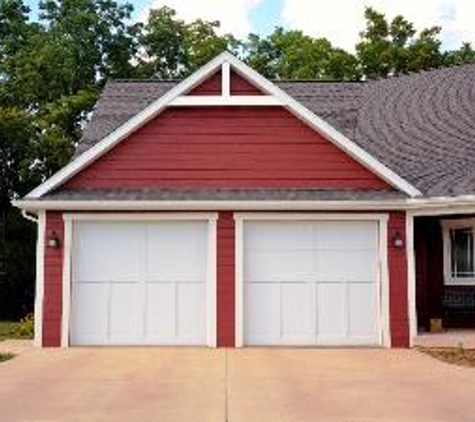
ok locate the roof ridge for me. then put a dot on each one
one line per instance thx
(318, 81)
(143, 80)
(421, 71)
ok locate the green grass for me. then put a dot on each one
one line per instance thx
(5, 356)
(7, 329)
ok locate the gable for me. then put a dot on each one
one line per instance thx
(226, 147)
(240, 86)
(178, 97)
(210, 86)
(213, 85)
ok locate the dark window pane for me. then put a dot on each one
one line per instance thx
(462, 252)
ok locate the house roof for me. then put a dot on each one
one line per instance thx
(421, 125)
(229, 194)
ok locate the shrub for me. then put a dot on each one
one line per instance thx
(25, 328)
(5, 356)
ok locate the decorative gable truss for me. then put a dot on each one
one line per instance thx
(182, 96)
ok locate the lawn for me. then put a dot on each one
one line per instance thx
(7, 328)
(5, 356)
(15, 330)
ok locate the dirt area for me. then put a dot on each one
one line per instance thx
(454, 355)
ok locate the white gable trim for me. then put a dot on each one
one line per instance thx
(222, 61)
(217, 100)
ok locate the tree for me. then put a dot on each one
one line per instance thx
(290, 54)
(465, 54)
(50, 75)
(391, 48)
(174, 49)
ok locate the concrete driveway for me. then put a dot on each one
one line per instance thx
(247, 385)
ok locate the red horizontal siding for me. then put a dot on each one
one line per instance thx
(226, 147)
(225, 275)
(398, 299)
(211, 86)
(53, 265)
(239, 86)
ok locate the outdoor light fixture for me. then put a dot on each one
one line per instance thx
(398, 241)
(53, 240)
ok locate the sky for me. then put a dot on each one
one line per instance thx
(338, 20)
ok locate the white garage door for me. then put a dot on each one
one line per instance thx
(311, 283)
(139, 283)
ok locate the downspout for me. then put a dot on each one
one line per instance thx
(38, 219)
(29, 216)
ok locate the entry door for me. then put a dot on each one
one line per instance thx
(311, 283)
(139, 283)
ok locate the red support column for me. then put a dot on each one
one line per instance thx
(398, 289)
(53, 276)
(226, 278)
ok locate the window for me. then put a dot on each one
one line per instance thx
(459, 253)
(461, 244)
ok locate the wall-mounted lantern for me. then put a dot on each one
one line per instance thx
(398, 240)
(53, 240)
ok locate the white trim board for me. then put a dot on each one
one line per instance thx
(384, 301)
(66, 287)
(40, 277)
(411, 278)
(292, 105)
(221, 101)
(416, 206)
(447, 226)
(211, 289)
(118, 216)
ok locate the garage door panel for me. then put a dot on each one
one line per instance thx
(275, 266)
(297, 304)
(146, 282)
(346, 265)
(362, 310)
(352, 235)
(311, 282)
(108, 251)
(169, 268)
(263, 305)
(191, 313)
(331, 315)
(125, 313)
(160, 311)
(89, 325)
(169, 245)
(275, 236)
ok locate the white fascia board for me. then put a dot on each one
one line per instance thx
(185, 86)
(188, 205)
(216, 100)
(414, 206)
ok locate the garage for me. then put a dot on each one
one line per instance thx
(141, 282)
(310, 283)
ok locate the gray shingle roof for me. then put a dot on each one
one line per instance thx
(119, 101)
(421, 125)
(157, 194)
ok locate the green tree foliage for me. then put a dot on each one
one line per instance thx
(294, 55)
(395, 47)
(172, 48)
(52, 70)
